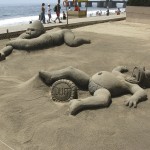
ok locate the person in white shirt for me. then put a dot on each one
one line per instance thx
(49, 14)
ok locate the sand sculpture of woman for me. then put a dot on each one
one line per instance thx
(36, 37)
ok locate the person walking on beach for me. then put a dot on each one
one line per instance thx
(49, 14)
(42, 18)
(64, 16)
(100, 13)
(57, 11)
(118, 11)
(107, 11)
(76, 8)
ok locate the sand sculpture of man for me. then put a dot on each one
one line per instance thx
(102, 85)
(36, 37)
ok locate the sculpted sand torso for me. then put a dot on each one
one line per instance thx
(108, 81)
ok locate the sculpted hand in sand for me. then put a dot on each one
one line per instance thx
(103, 85)
(35, 37)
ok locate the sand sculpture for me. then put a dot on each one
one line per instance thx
(36, 37)
(102, 85)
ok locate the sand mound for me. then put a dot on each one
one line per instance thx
(33, 83)
(30, 120)
(22, 106)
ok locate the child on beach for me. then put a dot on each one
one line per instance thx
(118, 11)
(107, 12)
(64, 16)
(49, 14)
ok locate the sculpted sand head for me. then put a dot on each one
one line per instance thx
(35, 29)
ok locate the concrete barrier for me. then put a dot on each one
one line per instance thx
(138, 14)
(72, 24)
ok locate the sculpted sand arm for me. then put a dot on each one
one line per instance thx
(138, 93)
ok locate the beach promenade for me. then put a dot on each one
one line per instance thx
(14, 31)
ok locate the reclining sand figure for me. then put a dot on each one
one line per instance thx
(102, 85)
(36, 37)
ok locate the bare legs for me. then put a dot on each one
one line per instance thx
(58, 17)
(101, 98)
(80, 78)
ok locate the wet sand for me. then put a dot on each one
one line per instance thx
(30, 120)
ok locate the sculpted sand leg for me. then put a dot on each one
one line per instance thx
(100, 99)
(80, 78)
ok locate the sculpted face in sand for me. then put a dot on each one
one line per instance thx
(103, 85)
(35, 37)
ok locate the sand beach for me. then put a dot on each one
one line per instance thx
(31, 120)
